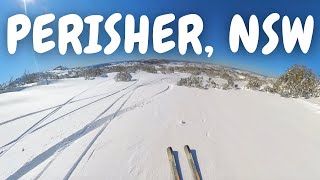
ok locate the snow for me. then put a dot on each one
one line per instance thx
(102, 129)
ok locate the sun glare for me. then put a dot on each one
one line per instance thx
(28, 1)
(25, 2)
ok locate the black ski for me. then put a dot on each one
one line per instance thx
(192, 165)
(173, 165)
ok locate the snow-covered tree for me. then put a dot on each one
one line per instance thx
(269, 89)
(91, 73)
(298, 81)
(254, 84)
(192, 81)
(123, 76)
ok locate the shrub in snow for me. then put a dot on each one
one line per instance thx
(123, 76)
(210, 72)
(111, 69)
(210, 84)
(104, 75)
(170, 70)
(254, 84)
(230, 81)
(298, 81)
(149, 68)
(226, 86)
(91, 73)
(197, 82)
(166, 70)
(192, 81)
(193, 70)
(269, 89)
(7, 85)
(196, 73)
(163, 69)
(121, 68)
(3, 87)
(29, 78)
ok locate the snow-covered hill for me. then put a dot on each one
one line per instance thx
(103, 129)
(219, 72)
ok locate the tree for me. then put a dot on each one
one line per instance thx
(123, 76)
(254, 84)
(298, 81)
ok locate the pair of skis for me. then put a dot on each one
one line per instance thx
(173, 164)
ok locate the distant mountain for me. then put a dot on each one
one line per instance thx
(156, 61)
(62, 68)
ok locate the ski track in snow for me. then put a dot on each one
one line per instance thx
(54, 151)
(56, 155)
(58, 148)
(36, 112)
(68, 175)
(4, 149)
(74, 166)
(91, 103)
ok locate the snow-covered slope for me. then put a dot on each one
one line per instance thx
(102, 129)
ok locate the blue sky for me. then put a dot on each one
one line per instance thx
(216, 15)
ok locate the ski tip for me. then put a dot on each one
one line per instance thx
(186, 147)
(170, 152)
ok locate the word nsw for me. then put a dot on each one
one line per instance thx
(67, 36)
(290, 34)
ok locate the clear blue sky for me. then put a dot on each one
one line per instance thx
(216, 15)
